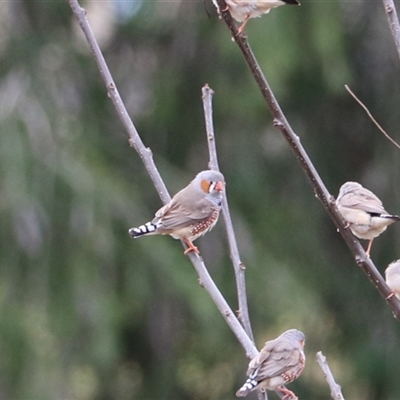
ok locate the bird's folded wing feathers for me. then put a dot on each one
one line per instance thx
(263, 355)
(178, 214)
(273, 363)
(364, 202)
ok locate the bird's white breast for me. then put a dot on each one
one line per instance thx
(242, 9)
(362, 224)
(393, 281)
(272, 383)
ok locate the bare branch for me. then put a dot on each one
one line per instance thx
(146, 156)
(207, 282)
(371, 117)
(134, 138)
(308, 168)
(239, 268)
(336, 390)
(393, 20)
(243, 313)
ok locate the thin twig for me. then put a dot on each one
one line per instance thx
(371, 117)
(391, 14)
(243, 312)
(239, 268)
(336, 390)
(321, 192)
(146, 156)
(207, 282)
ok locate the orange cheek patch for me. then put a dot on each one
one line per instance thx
(205, 186)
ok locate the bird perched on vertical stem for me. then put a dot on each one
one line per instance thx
(392, 275)
(280, 361)
(243, 10)
(191, 213)
(363, 212)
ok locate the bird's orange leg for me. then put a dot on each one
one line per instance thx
(288, 394)
(241, 27)
(390, 296)
(369, 247)
(191, 247)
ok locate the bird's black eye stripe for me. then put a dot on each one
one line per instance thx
(212, 186)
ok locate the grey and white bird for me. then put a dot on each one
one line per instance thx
(280, 361)
(392, 275)
(243, 10)
(191, 213)
(363, 212)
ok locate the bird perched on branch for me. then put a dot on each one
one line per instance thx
(392, 275)
(243, 10)
(280, 361)
(191, 213)
(363, 212)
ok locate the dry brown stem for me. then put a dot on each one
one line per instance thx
(371, 117)
(321, 192)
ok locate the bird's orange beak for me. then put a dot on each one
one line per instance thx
(220, 186)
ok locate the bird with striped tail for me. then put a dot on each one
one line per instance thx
(363, 212)
(280, 361)
(191, 213)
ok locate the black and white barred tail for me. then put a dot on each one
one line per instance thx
(389, 216)
(146, 229)
(248, 386)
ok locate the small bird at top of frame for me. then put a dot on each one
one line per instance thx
(191, 213)
(280, 361)
(392, 275)
(363, 212)
(243, 10)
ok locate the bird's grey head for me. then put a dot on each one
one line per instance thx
(212, 183)
(294, 334)
(348, 187)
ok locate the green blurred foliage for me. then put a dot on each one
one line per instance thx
(86, 312)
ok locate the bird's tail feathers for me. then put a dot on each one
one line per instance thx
(146, 229)
(248, 386)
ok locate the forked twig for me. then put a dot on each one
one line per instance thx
(336, 390)
(328, 201)
(207, 94)
(146, 156)
(371, 117)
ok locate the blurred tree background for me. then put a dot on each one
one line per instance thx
(86, 312)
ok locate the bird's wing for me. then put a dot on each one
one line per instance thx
(274, 360)
(363, 200)
(179, 213)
